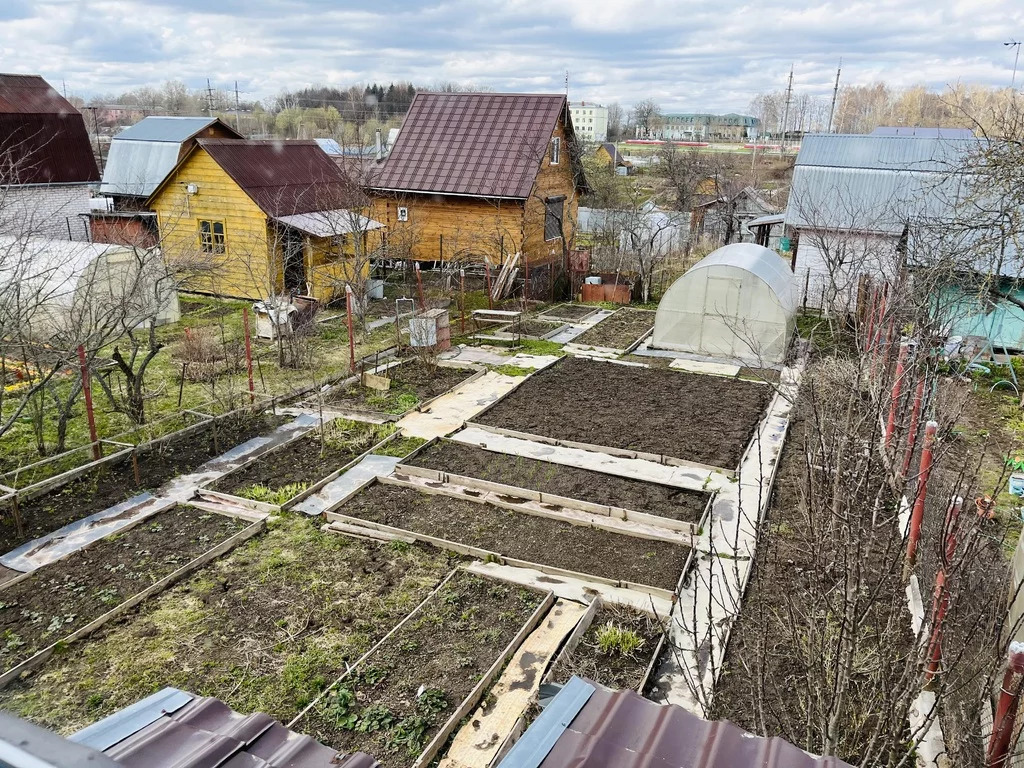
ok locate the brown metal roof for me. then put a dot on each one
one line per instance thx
(42, 136)
(621, 729)
(284, 177)
(478, 144)
(207, 733)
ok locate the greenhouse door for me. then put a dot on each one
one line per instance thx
(719, 327)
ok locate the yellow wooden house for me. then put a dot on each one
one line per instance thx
(478, 177)
(256, 219)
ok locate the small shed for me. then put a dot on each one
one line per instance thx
(737, 303)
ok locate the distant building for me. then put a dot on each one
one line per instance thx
(609, 154)
(725, 219)
(700, 126)
(590, 121)
(47, 168)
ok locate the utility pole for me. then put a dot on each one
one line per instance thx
(785, 114)
(1016, 57)
(236, 107)
(835, 94)
(209, 98)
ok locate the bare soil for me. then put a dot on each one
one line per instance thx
(110, 485)
(412, 382)
(613, 665)
(619, 330)
(706, 419)
(304, 460)
(535, 328)
(569, 311)
(400, 696)
(561, 480)
(61, 597)
(521, 536)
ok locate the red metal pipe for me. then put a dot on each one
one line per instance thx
(897, 386)
(248, 353)
(97, 451)
(351, 336)
(1006, 709)
(419, 288)
(922, 491)
(915, 415)
(487, 275)
(941, 598)
(462, 298)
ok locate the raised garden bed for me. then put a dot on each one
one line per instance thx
(619, 331)
(539, 540)
(704, 419)
(111, 484)
(265, 629)
(395, 701)
(572, 482)
(616, 650)
(277, 476)
(412, 382)
(574, 312)
(63, 596)
(535, 329)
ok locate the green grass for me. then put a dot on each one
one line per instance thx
(276, 496)
(512, 370)
(400, 447)
(613, 640)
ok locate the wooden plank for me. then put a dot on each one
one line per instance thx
(239, 501)
(238, 514)
(477, 743)
(574, 638)
(361, 532)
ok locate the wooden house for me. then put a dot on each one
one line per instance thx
(609, 154)
(254, 219)
(478, 177)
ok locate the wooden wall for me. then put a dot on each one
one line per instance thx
(552, 180)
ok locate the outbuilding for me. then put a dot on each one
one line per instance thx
(737, 303)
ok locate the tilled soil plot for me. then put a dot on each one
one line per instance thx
(111, 485)
(706, 419)
(304, 461)
(561, 480)
(265, 629)
(401, 695)
(569, 311)
(59, 598)
(412, 382)
(616, 649)
(525, 537)
(619, 330)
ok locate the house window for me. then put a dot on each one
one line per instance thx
(211, 236)
(556, 149)
(553, 208)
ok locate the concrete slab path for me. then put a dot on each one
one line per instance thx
(450, 411)
(328, 497)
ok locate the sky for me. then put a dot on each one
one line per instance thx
(690, 56)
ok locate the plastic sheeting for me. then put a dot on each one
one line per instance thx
(738, 303)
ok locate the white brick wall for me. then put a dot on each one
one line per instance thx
(45, 210)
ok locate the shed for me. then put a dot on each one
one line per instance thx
(737, 303)
(59, 287)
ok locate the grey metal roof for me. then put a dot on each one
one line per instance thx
(138, 167)
(889, 153)
(331, 223)
(165, 128)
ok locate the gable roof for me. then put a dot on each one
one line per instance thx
(282, 177)
(613, 153)
(142, 155)
(42, 136)
(476, 144)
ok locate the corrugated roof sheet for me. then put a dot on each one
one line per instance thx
(138, 167)
(889, 153)
(284, 177)
(42, 135)
(330, 223)
(621, 729)
(169, 128)
(479, 144)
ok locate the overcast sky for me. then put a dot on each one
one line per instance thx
(686, 55)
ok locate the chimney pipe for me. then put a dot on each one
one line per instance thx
(380, 146)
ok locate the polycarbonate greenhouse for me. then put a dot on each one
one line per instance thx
(738, 303)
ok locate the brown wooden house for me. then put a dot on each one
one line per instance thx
(478, 177)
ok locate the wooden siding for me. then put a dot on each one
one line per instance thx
(552, 181)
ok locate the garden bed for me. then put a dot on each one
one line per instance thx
(574, 312)
(539, 540)
(265, 629)
(704, 419)
(412, 382)
(571, 482)
(61, 597)
(394, 702)
(277, 476)
(111, 484)
(616, 650)
(536, 329)
(619, 331)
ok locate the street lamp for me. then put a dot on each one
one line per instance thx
(1016, 56)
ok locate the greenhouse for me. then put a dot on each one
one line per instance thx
(737, 303)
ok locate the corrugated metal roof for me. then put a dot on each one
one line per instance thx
(889, 153)
(42, 134)
(284, 177)
(621, 729)
(330, 146)
(138, 167)
(330, 223)
(920, 130)
(170, 128)
(479, 144)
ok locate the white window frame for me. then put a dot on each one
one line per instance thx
(556, 149)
